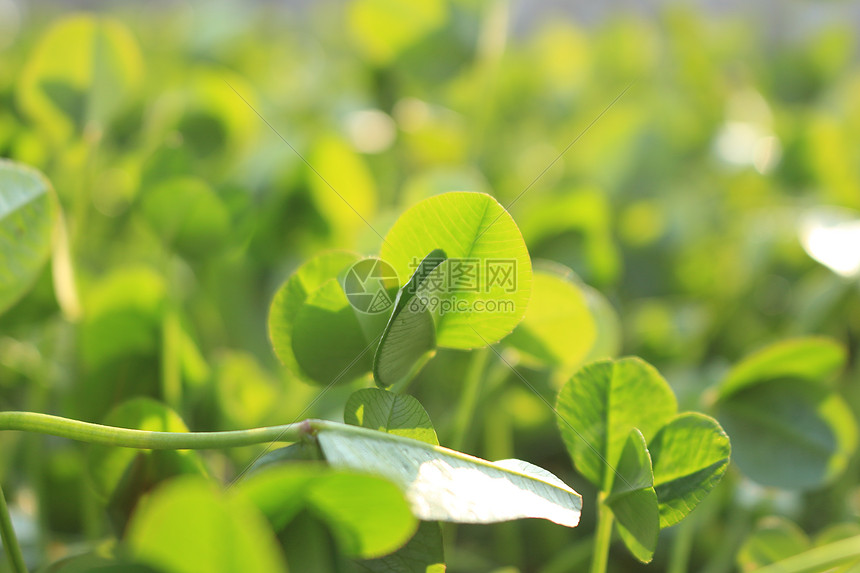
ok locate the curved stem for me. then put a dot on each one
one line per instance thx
(10, 541)
(125, 438)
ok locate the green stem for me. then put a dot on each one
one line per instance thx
(602, 537)
(10, 541)
(469, 398)
(125, 438)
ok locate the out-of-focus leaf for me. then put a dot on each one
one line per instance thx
(27, 212)
(602, 403)
(558, 329)
(424, 553)
(632, 499)
(328, 341)
(348, 193)
(289, 299)
(409, 338)
(383, 28)
(93, 563)
(122, 475)
(445, 485)
(84, 68)
(813, 359)
(187, 526)
(365, 526)
(774, 539)
(480, 293)
(789, 433)
(398, 414)
(690, 455)
(188, 215)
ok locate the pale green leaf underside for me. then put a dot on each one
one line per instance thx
(26, 222)
(445, 485)
(398, 414)
(409, 337)
(632, 499)
(468, 227)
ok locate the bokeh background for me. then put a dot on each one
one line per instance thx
(714, 202)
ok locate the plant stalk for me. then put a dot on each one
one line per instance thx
(10, 540)
(602, 537)
(126, 438)
(469, 398)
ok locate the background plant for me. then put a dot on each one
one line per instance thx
(687, 206)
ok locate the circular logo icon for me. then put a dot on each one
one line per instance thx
(371, 285)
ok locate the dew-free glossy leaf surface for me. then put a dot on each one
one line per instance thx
(398, 414)
(485, 251)
(602, 403)
(444, 485)
(367, 515)
(27, 214)
(558, 329)
(409, 338)
(789, 433)
(294, 292)
(690, 454)
(187, 526)
(633, 501)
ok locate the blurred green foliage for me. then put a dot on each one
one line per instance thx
(183, 211)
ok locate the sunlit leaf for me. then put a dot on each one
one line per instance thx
(482, 290)
(690, 455)
(445, 485)
(632, 499)
(187, 526)
(602, 403)
(398, 414)
(27, 214)
(424, 553)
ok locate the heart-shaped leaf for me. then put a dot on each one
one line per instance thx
(633, 500)
(365, 526)
(292, 295)
(445, 485)
(690, 455)
(398, 414)
(27, 213)
(409, 338)
(602, 403)
(187, 526)
(480, 293)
